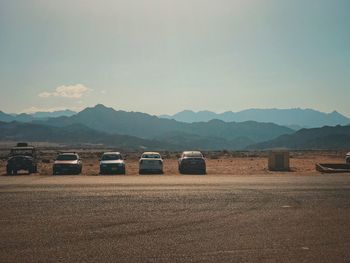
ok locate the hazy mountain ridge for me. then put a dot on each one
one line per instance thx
(53, 114)
(303, 118)
(324, 138)
(40, 115)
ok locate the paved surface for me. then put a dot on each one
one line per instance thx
(175, 219)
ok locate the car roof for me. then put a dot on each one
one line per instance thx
(191, 152)
(151, 153)
(111, 153)
(67, 153)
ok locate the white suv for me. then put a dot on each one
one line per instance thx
(150, 162)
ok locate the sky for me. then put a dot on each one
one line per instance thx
(164, 56)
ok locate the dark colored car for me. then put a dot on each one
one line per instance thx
(22, 157)
(192, 162)
(112, 163)
(67, 163)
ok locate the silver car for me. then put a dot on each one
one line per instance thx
(151, 162)
(112, 163)
(67, 163)
(348, 158)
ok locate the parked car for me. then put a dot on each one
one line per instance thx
(67, 163)
(112, 163)
(192, 162)
(348, 158)
(150, 162)
(22, 157)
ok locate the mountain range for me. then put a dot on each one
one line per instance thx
(136, 130)
(324, 138)
(293, 118)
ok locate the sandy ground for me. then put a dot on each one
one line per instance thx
(229, 164)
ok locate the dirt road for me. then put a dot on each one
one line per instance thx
(175, 218)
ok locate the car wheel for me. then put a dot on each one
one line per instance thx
(141, 172)
(9, 171)
(14, 172)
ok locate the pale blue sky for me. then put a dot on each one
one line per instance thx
(163, 56)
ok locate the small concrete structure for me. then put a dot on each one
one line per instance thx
(279, 160)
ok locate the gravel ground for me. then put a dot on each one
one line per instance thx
(283, 218)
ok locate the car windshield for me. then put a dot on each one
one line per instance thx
(22, 152)
(111, 157)
(193, 155)
(67, 157)
(150, 156)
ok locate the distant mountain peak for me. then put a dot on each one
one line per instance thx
(335, 113)
(186, 111)
(100, 106)
(97, 108)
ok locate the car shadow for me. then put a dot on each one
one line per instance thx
(66, 174)
(151, 173)
(194, 173)
(19, 174)
(110, 175)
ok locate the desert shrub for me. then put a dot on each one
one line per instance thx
(214, 156)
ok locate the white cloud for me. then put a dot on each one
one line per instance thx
(71, 91)
(44, 94)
